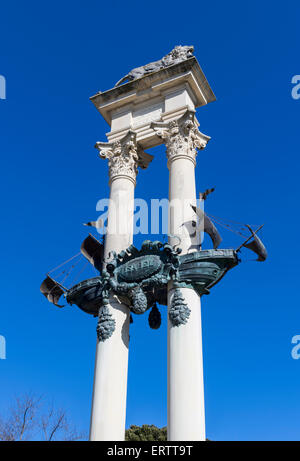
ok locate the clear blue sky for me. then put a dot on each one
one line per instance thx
(55, 55)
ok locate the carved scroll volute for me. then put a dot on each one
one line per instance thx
(182, 137)
(122, 156)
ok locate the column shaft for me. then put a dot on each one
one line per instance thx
(186, 418)
(111, 364)
(110, 380)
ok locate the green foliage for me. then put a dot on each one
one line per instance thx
(146, 433)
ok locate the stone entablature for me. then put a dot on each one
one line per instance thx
(159, 96)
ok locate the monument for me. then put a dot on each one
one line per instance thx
(151, 105)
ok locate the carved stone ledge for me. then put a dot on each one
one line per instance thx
(124, 157)
(182, 137)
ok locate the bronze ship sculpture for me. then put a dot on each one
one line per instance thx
(139, 277)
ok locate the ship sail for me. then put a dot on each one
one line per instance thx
(93, 251)
(208, 227)
(51, 290)
(257, 246)
(211, 230)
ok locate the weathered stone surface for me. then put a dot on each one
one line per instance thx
(159, 96)
(178, 54)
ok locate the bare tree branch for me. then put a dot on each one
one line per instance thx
(32, 419)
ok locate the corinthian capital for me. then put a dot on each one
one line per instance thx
(182, 137)
(124, 157)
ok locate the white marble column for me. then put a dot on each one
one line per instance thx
(186, 417)
(110, 379)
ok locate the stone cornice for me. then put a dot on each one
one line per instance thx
(189, 70)
(182, 137)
